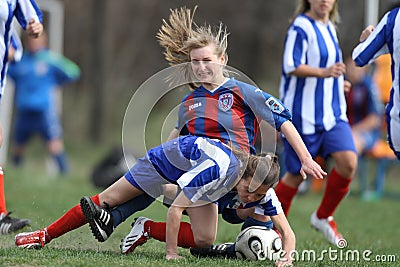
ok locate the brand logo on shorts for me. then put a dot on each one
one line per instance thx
(225, 101)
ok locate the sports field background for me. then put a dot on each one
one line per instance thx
(33, 194)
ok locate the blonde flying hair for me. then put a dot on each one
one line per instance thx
(180, 34)
(303, 6)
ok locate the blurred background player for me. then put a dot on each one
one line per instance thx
(312, 87)
(364, 107)
(36, 76)
(29, 17)
(364, 111)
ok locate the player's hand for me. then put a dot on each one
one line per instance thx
(283, 263)
(309, 166)
(34, 28)
(336, 70)
(173, 257)
(347, 86)
(366, 32)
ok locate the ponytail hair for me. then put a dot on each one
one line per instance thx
(173, 35)
(263, 169)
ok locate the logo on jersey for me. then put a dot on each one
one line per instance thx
(274, 105)
(225, 101)
(195, 105)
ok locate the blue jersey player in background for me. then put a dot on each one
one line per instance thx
(39, 73)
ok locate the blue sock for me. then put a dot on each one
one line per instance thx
(62, 162)
(17, 160)
(253, 222)
(122, 212)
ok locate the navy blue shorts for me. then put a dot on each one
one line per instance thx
(29, 123)
(339, 138)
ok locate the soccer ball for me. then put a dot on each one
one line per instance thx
(258, 243)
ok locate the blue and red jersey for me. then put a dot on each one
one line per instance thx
(231, 112)
(363, 99)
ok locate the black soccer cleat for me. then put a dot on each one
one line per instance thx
(214, 251)
(100, 219)
(9, 224)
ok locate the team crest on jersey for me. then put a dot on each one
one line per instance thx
(274, 105)
(225, 101)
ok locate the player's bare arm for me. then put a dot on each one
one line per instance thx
(308, 164)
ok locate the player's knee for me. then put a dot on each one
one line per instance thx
(348, 168)
(204, 240)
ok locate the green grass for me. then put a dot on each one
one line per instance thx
(33, 194)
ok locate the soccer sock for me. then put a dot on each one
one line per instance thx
(62, 162)
(285, 195)
(336, 189)
(17, 160)
(2, 195)
(157, 230)
(125, 210)
(71, 220)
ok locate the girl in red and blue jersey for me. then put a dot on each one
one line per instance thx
(219, 107)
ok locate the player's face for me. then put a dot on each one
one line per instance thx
(320, 9)
(207, 66)
(246, 194)
(36, 44)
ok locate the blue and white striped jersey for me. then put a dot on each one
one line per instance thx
(269, 205)
(24, 11)
(316, 104)
(203, 168)
(386, 39)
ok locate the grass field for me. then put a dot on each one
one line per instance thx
(31, 193)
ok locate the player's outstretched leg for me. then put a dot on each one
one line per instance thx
(100, 219)
(9, 224)
(136, 237)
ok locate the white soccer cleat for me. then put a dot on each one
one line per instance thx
(136, 237)
(36, 239)
(328, 227)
